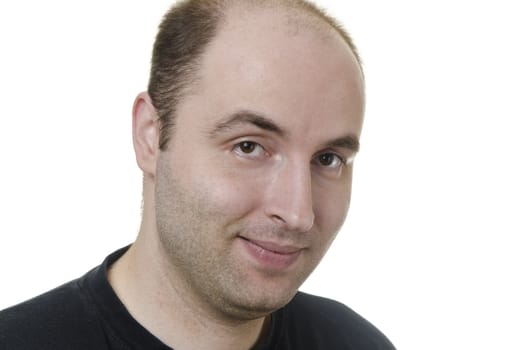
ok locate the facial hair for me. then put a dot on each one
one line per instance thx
(196, 232)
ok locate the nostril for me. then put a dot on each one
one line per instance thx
(278, 218)
(293, 222)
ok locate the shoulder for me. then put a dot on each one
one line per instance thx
(57, 319)
(333, 325)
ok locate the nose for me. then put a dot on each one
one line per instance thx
(289, 198)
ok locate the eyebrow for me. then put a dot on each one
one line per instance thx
(247, 117)
(350, 142)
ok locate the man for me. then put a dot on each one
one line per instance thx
(246, 139)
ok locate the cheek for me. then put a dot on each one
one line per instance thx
(229, 193)
(331, 207)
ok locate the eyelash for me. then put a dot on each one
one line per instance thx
(253, 146)
(238, 148)
(338, 157)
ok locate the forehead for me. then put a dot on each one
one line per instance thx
(281, 65)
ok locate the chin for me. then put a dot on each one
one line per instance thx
(260, 303)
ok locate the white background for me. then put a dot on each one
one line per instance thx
(434, 250)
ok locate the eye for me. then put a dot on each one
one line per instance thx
(329, 160)
(247, 146)
(249, 149)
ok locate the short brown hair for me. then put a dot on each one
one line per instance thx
(182, 38)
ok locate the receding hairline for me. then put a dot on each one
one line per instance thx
(300, 15)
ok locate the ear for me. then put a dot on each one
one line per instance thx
(145, 132)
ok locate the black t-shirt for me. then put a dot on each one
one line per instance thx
(87, 314)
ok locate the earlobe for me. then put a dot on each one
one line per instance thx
(145, 132)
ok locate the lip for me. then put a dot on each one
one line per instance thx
(271, 255)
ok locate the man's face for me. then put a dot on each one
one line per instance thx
(256, 181)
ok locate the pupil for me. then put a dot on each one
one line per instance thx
(326, 159)
(247, 147)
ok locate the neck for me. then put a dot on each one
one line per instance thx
(160, 301)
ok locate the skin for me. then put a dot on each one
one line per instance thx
(260, 162)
